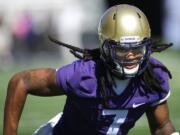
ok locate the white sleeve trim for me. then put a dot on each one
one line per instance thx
(162, 100)
(47, 128)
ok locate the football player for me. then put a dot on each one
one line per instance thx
(107, 91)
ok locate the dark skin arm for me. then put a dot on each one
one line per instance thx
(159, 121)
(41, 82)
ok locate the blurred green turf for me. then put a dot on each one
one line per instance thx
(40, 109)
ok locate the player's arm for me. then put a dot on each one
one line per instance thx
(40, 82)
(159, 121)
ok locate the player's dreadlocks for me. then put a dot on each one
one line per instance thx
(148, 76)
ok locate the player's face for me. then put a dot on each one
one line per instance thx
(130, 56)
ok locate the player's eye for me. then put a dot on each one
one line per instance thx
(121, 52)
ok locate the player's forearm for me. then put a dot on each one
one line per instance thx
(166, 129)
(16, 96)
(40, 82)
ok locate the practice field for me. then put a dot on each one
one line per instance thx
(40, 109)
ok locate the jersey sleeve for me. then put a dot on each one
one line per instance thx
(78, 78)
(63, 74)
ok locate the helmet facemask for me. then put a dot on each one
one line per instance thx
(117, 57)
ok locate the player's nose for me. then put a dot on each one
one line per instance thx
(130, 55)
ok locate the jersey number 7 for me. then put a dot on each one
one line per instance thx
(120, 116)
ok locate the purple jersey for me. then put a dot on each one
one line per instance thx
(84, 112)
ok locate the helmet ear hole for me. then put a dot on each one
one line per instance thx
(139, 15)
(114, 16)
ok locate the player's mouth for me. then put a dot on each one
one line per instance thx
(133, 64)
(130, 66)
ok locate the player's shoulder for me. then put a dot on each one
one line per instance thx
(158, 67)
(155, 61)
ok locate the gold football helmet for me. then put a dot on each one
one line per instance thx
(124, 28)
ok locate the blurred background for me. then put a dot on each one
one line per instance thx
(24, 44)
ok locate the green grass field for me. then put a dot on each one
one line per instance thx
(40, 109)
